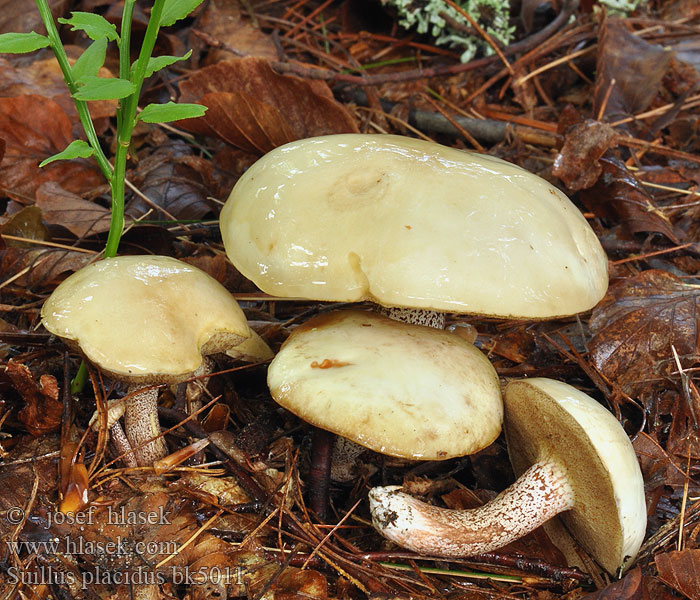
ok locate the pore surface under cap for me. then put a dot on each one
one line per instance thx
(550, 419)
(145, 318)
(402, 390)
(409, 223)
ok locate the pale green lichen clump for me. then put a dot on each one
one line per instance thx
(436, 17)
(621, 7)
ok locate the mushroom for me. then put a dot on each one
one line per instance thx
(402, 390)
(573, 458)
(145, 321)
(411, 225)
(415, 227)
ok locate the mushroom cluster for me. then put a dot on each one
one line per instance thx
(420, 230)
(145, 321)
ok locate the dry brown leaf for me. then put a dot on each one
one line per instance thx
(256, 109)
(224, 21)
(42, 411)
(619, 196)
(632, 586)
(577, 163)
(23, 16)
(681, 570)
(636, 324)
(174, 179)
(27, 224)
(40, 268)
(45, 78)
(80, 217)
(35, 128)
(636, 67)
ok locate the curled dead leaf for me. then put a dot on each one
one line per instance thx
(34, 128)
(633, 586)
(42, 411)
(619, 196)
(585, 143)
(80, 217)
(38, 267)
(636, 324)
(681, 570)
(629, 70)
(256, 109)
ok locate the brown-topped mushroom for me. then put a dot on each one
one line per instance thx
(573, 458)
(145, 320)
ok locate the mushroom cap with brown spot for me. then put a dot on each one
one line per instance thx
(403, 390)
(409, 223)
(145, 319)
(545, 418)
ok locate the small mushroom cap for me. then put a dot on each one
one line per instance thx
(403, 390)
(145, 319)
(550, 419)
(410, 223)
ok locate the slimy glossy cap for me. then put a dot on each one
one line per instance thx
(399, 389)
(145, 318)
(410, 223)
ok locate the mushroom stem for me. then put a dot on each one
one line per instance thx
(141, 425)
(319, 475)
(542, 492)
(415, 316)
(121, 445)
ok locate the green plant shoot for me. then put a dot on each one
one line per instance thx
(85, 84)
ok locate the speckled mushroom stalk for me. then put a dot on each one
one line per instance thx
(142, 425)
(574, 460)
(542, 492)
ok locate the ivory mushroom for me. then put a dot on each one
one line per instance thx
(415, 227)
(402, 390)
(573, 458)
(145, 320)
(410, 224)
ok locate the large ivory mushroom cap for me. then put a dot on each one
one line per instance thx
(548, 419)
(399, 389)
(145, 319)
(409, 223)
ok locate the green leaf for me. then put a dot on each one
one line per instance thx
(174, 10)
(76, 149)
(19, 43)
(163, 113)
(160, 62)
(97, 88)
(90, 60)
(95, 26)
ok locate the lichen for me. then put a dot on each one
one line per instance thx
(621, 7)
(437, 18)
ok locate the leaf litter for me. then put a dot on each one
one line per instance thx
(606, 107)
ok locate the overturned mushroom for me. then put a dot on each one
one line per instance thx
(145, 320)
(573, 458)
